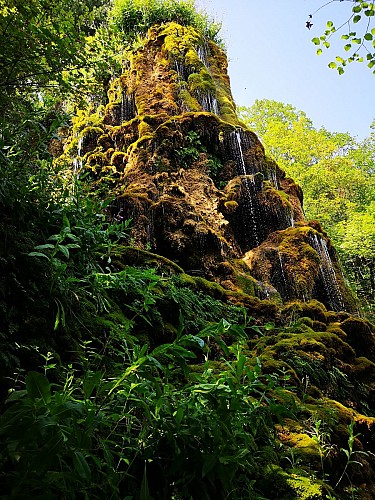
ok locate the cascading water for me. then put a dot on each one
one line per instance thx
(208, 102)
(182, 70)
(202, 52)
(249, 190)
(284, 285)
(328, 274)
(77, 161)
(261, 209)
(128, 109)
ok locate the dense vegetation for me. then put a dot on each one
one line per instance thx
(121, 376)
(132, 18)
(337, 175)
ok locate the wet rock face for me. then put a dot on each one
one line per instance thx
(301, 264)
(195, 182)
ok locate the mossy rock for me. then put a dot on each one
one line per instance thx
(296, 309)
(126, 256)
(277, 483)
(360, 335)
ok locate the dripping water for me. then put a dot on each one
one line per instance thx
(282, 272)
(150, 230)
(202, 52)
(77, 162)
(128, 108)
(208, 102)
(328, 274)
(249, 190)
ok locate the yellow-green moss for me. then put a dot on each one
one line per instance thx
(178, 39)
(201, 82)
(126, 256)
(118, 158)
(230, 206)
(296, 309)
(190, 101)
(305, 488)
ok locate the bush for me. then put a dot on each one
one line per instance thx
(134, 17)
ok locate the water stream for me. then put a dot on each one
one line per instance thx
(128, 109)
(328, 274)
(77, 162)
(285, 284)
(249, 192)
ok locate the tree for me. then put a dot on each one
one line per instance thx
(358, 35)
(40, 40)
(357, 236)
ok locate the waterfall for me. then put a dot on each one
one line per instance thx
(328, 274)
(272, 176)
(202, 52)
(230, 151)
(150, 229)
(208, 102)
(249, 192)
(77, 162)
(128, 109)
(233, 147)
(182, 70)
(284, 283)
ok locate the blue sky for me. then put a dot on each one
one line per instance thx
(271, 57)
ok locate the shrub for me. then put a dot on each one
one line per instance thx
(134, 17)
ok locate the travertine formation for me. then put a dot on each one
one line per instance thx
(195, 182)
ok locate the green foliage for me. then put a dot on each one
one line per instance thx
(134, 17)
(349, 452)
(126, 428)
(358, 40)
(191, 150)
(41, 39)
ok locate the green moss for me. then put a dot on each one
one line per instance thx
(125, 255)
(209, 287)
(305, 488)
(95, 160)
(296, 309)
(190, 101)
(179, 39)
(274, 478)
(230, 206)
(275, 196)
(118, 159)
(201, 82)
(192, 59)
(360, 335)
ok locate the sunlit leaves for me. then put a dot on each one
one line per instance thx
(359, 15)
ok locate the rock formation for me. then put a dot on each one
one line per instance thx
(195, 182)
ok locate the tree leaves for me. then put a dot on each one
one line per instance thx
(360, 15)
(38, 387)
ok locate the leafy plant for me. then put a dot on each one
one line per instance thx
(350, 452)
(190, 152)
(113, 433)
